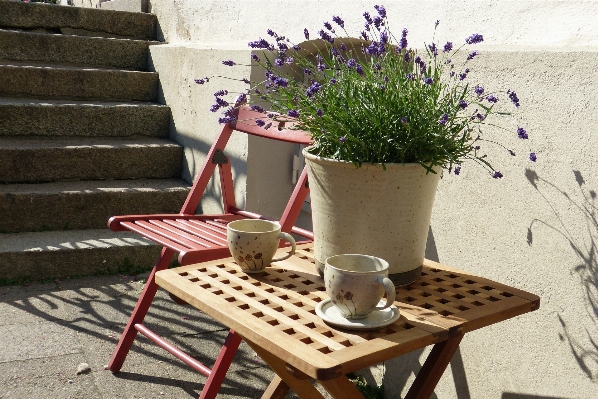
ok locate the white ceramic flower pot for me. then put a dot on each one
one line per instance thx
(371, 211)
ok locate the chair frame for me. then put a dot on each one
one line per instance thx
(200, 240)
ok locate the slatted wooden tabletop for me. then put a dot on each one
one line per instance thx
(276, 311)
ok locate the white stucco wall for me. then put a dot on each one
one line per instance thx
(535, 229)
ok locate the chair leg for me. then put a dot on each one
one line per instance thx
(141, 308)
(220, 368)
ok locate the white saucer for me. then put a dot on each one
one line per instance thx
(377, 319)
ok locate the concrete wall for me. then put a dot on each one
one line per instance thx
(535, 229)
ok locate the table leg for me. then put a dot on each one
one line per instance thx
(341, 388)
(429, 375)
(303, 388)
(277, 389)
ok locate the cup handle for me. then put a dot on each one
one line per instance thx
(291, 240)
(389, 287)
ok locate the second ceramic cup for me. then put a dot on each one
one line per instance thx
(253, 243)
(356, 284)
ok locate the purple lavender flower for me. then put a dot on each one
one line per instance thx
(512, 152)
(321, 67)
(532, 156)
(289, 60)
(313, 89)
(481, 117)
(521, 133)
(418, 59)
(403, 120)
(307, 71)
(332, 81)
(492, 99)
(448, 47)
(452, 74)
(342, 139)
(293, 113)
(497, 175)
(378, 22)
(200, 81)
(472, 54)
(261, 43)
(282, 47)
(410, 77)
(377, 67)
(406, 57)
(382, 87)
(246, 81)
(462, 76)
(268, 125)
(463, 104)
(513, 97)
(221, 102)
(255, 57)
(381, 11)
(386, 79)
(228, 119)
(351, 63)
(260, 122)
(433, 49)
(221, 93)
(428, 81)
(343, 47)
(383, 38)
(436, 23)
(271, 116)
(241, 99)
(296, 47)
(278, 62)
(364, 35)
(367, 17)
(325, 36)
(306, 34)
(475, 38)
(359, 69)
(214, 108)
(328, 26)
(338, 20)
(229, 62)
(444, 119)
(457, 170)
(257, 108)
(271, 33)
(372, 49)
(319, 112)
(281, 82)
(479, 90)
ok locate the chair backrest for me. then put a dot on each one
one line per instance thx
(245, 123)
(280, 131)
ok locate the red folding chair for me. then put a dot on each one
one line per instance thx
(200, 238)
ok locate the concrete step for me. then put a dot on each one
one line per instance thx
(52, 82)
(58, 254)
(78, 20)
(71, 50)
(85, 204)
(35, 160)
(59, 118)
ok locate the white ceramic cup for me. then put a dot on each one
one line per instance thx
(356, 284)
(253, 243)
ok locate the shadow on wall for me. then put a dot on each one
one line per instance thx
(586, 249)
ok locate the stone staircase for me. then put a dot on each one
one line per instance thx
(82, 138)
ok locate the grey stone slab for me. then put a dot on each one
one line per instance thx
(58, 118)
(34, 341)
(75, 83)
(104, 22)
(68, 49)
(63, 254)
(85, 204)
(47, 378)
(37, 160)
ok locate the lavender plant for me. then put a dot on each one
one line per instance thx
(374, 100)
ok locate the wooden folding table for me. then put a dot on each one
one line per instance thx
(275, 314)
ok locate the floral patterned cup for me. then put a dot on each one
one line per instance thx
(356, 284)
(253, 243)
